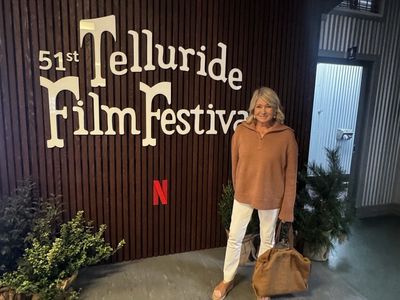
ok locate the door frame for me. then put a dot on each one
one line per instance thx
(365, 111)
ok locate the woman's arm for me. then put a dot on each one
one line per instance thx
(287, 209)
(235, 157)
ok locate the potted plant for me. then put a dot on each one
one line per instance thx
(54, 254)
(324, 210)
(249, 246)
(17, 214)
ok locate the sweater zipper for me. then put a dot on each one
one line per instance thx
(260, 140)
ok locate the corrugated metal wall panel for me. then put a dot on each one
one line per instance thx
(378, 37)
(339, 32)
(274, 43)
(384, 144)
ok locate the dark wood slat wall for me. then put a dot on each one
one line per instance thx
(274, 43)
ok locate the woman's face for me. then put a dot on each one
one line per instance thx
(263, 112)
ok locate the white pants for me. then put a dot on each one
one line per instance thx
(241, 214)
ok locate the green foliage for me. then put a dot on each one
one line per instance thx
(54, 256)
(323, 211)
(17, 215)
(225, 206)
(47, 221)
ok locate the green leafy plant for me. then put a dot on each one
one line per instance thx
(324, 211)
(47, 221)
(225, 206)
(17, 214)
(51, 258)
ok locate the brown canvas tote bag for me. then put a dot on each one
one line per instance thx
(281, 269)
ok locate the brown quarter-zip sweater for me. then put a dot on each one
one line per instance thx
(264, 169)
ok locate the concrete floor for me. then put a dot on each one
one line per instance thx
(365, 267)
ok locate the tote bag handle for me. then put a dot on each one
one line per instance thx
(287, 236)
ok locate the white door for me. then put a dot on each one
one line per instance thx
(334, 118)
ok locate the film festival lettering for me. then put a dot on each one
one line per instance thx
(171, 121)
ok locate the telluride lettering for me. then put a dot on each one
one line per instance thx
(96, 27)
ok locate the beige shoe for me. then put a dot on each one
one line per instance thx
(222, 289)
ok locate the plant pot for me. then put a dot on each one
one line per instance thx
(10, 294)
(322, 254)
(66, 283)
(248, 252)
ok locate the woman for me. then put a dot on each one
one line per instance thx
(264, 174)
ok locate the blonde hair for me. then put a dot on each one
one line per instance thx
(271, 98)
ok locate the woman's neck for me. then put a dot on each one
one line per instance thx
(265, 126)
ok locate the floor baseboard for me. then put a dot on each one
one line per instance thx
(378, 210)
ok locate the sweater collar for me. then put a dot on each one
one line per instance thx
(275, 128)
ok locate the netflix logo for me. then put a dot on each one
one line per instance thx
(160, 192)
